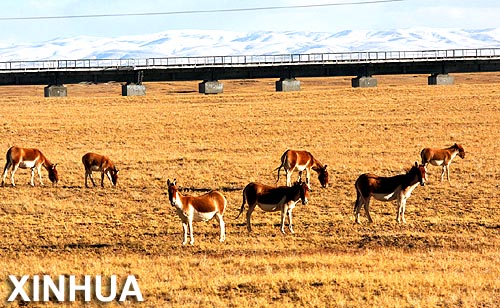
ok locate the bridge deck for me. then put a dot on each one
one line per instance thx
(249, 66)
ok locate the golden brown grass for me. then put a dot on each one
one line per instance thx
(446, 255)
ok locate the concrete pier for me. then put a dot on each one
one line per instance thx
(364, 82)
(287, 85)
(131, 89)
(440, 79)
(55, 91)
(210, 87)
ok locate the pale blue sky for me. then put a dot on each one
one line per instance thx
(463, 14)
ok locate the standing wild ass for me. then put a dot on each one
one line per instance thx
(201, 208)
(442, 157)
(272, 199)
(96, 162)
(26, 158)
(381, 188)
(302, 160)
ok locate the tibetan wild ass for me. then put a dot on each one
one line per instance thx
(96, 162)
(201, 208)
(397, 187)
(272, 199)
(442, 157)
(302, 160)
(26, 158)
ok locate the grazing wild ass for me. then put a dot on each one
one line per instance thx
(302, 160)
(397, 187)
(200, 208)
(442, 157)
(96, 162)
(272, 199)
(26, 158)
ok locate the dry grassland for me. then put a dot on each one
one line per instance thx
(447, 255)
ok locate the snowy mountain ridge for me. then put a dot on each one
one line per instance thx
(191, 43)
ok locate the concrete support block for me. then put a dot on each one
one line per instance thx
(364, 82)
(132, 89)
(55, 91)
(210, 87)
(287, 85)
(440, 79)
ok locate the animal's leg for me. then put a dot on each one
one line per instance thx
(403, 209)
(39, 170)
(367, 209)
(251, 207)
(288, 177)
(448, 172)
(8, 164)
(442, 172)
(357, 207)
(102, 178)
(222, 227)
(91, 178)
(14, 169)
(86, 176)
(108, 174)
(190, 225)
(32, 181)
(185, 230)
(308, 177)
(400, 217)
(282, 224)
(299, 178)
(290, 221)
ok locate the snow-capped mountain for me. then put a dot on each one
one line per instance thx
(188, 43)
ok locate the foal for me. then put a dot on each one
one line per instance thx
(96, 162)
(442, 157)
(302, 160)
(397, 187)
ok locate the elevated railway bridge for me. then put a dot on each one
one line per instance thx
(286, 68)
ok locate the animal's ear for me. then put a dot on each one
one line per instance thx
(168, 182)
(324, 168)
(55, 165)
(117, 171)
(416, 164)
(174, 183)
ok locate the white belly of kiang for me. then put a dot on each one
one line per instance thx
(26, 164)
(199, 216)
(95, 168)
(272, 207)
(386, 197)
(437, 162)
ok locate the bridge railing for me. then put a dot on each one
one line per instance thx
(321, 58)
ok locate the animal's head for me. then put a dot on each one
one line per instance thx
(461, 151)
(172, 191)
(53, 176)
(303, 191)
(421, 173)
(323, 176)
(114, 175)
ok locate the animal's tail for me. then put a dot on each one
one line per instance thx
(423, 156)
(8, 163)
(359, 200)
(283, 158)
(243, 204)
